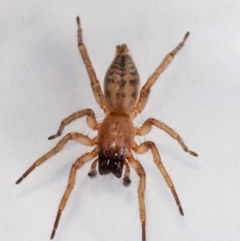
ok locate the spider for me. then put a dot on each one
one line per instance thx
(114, 143)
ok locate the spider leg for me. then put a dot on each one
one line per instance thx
(71, 182)
(141, 189)
(149, 145)
(97, 91)
(146, 127)
(91, 121)
(83, 139)
(144, 93)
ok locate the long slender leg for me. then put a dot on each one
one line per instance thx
(97, 91)
(91, 121)
(83, 139)
(147, 125)
(149, 145)
(71, 181)
(143, 97)
(141, 189)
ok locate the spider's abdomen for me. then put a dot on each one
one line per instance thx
(121, 84)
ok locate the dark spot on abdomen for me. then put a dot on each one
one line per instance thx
(134, 95)
(108, 94)
(122, 83)
(133, 73)
(134, 81)
(120, 95)
(110, 80)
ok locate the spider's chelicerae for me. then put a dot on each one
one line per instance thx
(114, 143)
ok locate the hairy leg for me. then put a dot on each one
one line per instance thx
(143, 97)
(141, 189)
(71, 182)
(91, 121)
(97, 91)
(149, 145)
(146, 127)
(83, 139)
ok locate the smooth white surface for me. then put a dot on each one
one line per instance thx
(43, 80)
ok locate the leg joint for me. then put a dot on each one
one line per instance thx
(150, 144)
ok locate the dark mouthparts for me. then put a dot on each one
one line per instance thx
(110, 164)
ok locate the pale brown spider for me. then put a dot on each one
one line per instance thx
(121, 102)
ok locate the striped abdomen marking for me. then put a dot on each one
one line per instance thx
(121, 84)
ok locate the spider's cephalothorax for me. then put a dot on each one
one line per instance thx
(114, 143)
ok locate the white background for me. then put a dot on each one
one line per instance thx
(43, 80)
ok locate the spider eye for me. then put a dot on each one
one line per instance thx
(110, 164)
